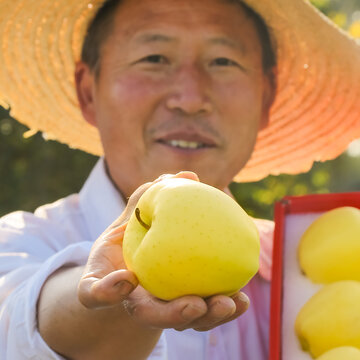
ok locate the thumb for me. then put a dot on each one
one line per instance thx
(187, 175)
(105, 280)
(111, 290)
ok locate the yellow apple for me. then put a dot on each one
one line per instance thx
(329, 250)
(331, 318)
(341, 353)
(186, 237)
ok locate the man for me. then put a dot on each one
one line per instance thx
(169, 86)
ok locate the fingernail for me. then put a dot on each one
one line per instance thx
(220, 311)
(164, 176)
(124, 287)
(191, 312)
(243, 297)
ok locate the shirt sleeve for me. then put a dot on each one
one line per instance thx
(160, 351)
(24, 267)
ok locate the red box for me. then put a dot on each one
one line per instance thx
(298, 212)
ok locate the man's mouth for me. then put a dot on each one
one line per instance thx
(187, 140)
(184, 144)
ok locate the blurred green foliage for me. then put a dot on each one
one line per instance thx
(34, 171)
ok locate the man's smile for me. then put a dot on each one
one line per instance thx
(191, 140)
(183, 144)
(187, 140)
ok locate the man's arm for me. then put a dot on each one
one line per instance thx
(77, 332)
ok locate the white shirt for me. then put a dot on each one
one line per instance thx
(33, 246)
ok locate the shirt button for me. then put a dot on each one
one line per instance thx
(212, 339)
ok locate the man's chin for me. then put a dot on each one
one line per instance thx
(206, 176)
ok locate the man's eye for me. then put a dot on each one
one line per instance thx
(154, 59)
(224, 62)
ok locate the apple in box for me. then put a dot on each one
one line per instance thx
(315, 308)
(329, 253)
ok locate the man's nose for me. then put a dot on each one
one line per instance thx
(190, 92)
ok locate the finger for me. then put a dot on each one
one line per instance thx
(222, 311)
(114, 235)
(108, 291)
(134, 198)
(187, 175)
(242, 304)
(161, 314)
(106, 253)
(220, 307)
(130, 206)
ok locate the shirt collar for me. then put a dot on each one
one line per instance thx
(100, 201)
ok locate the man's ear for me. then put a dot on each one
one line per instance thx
(84, 81)
(270, 86)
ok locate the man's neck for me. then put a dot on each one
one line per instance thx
(107, 170)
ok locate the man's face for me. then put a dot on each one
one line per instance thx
(181, 87)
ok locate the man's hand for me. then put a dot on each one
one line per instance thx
(106, 314)
(107, 283)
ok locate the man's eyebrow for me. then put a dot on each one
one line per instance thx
(227, 42)
(153, 37)
(156, 37)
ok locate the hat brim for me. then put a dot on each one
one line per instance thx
(315, 116)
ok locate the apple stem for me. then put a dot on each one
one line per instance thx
(137, 213)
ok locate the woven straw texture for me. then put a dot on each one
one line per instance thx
(315, 116)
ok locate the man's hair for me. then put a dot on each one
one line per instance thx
(98, 30)
(101, 25)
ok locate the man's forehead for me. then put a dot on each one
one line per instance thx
(219, 25)
(213, 10)
(153, 36)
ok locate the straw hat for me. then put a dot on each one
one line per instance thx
(315, 116)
